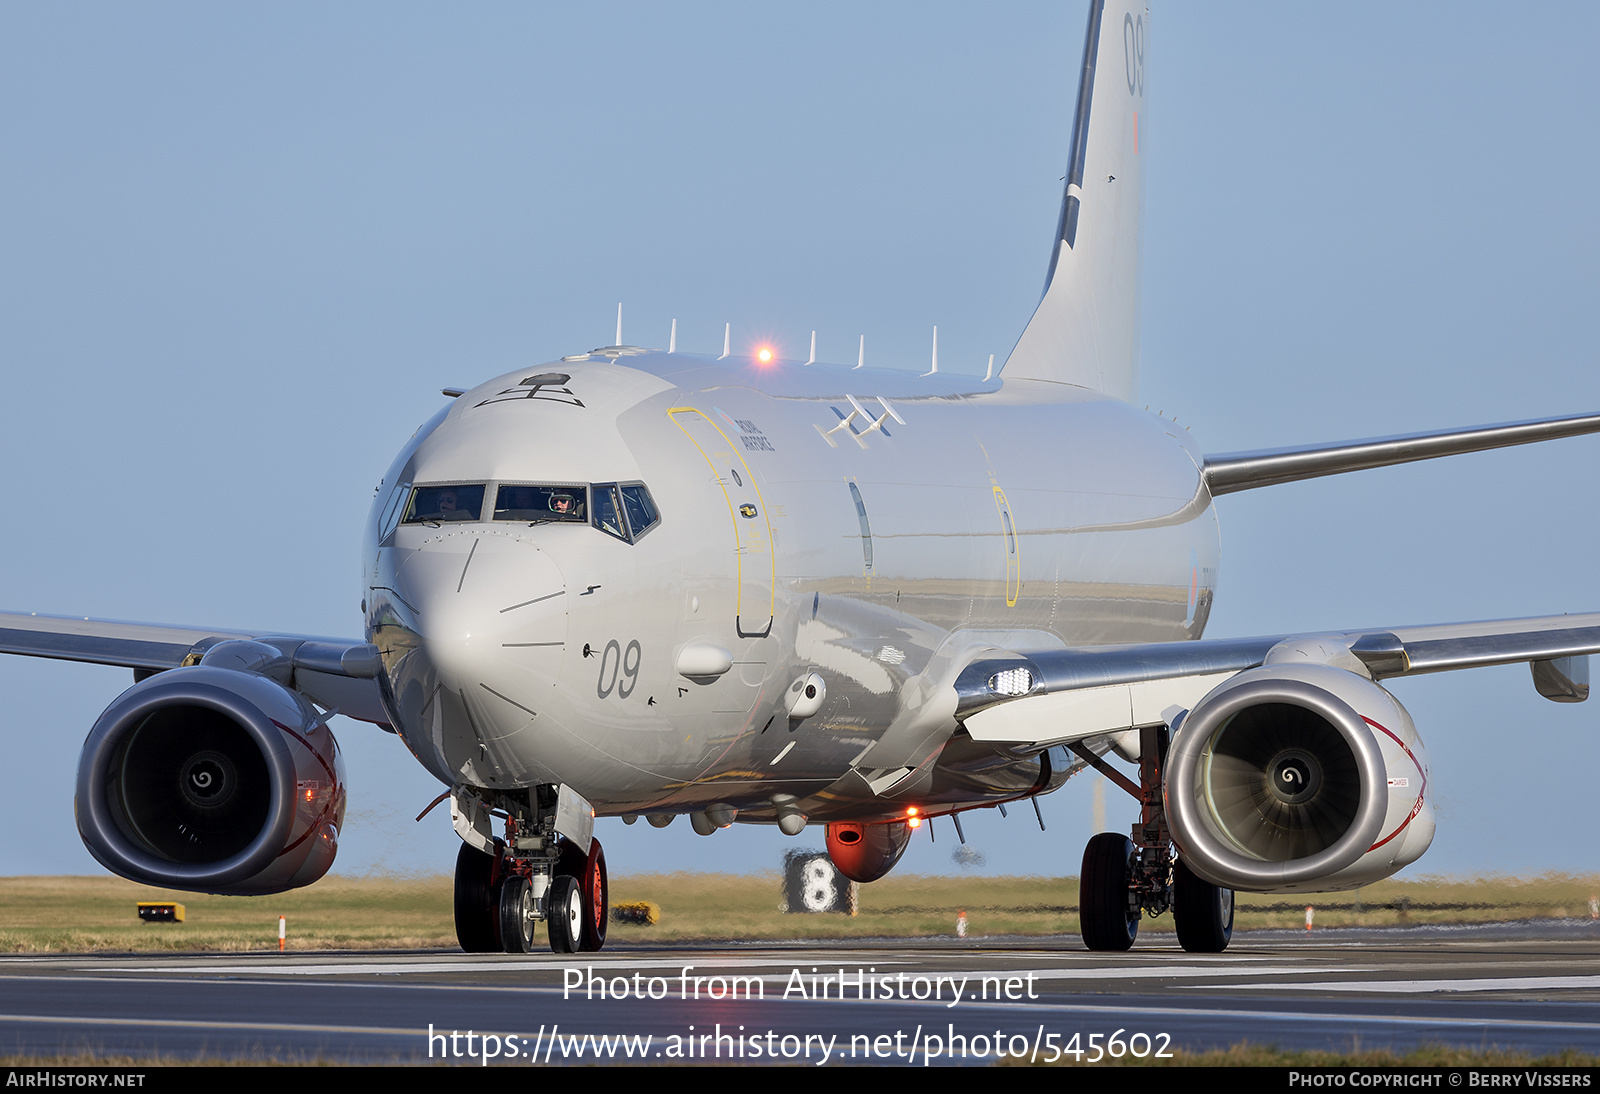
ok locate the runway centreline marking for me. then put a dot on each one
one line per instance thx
(195, 1023)
(372, 968)
(483, 963)
(1144, 1013)
(1147, 1012)
(1486, 983)
(1039, 1005)
(1064, 975)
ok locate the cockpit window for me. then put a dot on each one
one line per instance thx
(444, 503)
(391, 512)
(537, 504)
(640, 507)
(624, 510)
(608, 511)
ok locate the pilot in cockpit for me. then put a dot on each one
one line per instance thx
(449, 508)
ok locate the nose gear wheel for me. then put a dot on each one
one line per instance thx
(516, 915)
(565, 914)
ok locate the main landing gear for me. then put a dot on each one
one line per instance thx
(531, 875)
(1123, 878)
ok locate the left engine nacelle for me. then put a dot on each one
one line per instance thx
(1298, 778)
(212, 780)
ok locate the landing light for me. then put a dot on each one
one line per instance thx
(1011, 682)
(764, 355)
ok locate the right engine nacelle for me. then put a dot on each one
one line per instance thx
(1298, 778)
(212, 780)
(865, 852)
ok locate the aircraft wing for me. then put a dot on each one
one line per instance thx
(1047, 697)
(1231, 472)
(338, 673)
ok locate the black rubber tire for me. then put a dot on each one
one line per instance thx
(1107, 923)
(477, 902)
(1201, 911)
(564, 914)
(516, 914)
(569, 860)
(593, 885)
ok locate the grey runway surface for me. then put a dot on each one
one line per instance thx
(1534, 987)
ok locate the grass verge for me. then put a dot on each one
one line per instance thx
(89, 914)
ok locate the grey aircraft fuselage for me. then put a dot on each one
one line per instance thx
(795, 537)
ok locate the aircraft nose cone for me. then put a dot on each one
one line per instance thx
(486, 630)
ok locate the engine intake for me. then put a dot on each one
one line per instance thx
(1297, 778)
(212, 780)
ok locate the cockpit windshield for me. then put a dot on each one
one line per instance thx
(641, 507)
(608, 511)
(444, 503)
(624, 510)
(542, 503)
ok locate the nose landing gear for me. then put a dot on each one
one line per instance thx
(533, 874)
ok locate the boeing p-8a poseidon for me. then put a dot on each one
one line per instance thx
(640, 583)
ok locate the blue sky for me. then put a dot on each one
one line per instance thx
(244, 246)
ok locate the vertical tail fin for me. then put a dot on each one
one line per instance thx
(1085, 330)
